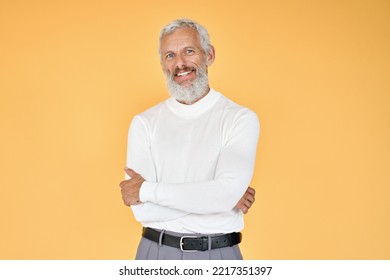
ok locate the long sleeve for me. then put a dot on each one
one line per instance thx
(140, 160)
(233, 174)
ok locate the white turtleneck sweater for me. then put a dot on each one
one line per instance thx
(197, 161)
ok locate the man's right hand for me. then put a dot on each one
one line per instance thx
(130, 188)
(246, 200)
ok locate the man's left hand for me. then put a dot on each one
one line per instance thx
(131, 187)
(246, 200)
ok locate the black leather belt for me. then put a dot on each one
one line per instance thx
(193, 243)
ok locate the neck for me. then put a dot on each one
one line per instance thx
(196, 100)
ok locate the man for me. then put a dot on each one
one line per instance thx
(190, 158)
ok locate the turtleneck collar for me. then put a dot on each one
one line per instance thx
(195, 109)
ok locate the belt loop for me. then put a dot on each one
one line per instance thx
(209, 240)
(161, 238)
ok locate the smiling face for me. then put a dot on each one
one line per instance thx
(185, 63)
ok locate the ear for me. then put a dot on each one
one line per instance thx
(210, 56)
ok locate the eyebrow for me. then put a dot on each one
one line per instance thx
(187, 47)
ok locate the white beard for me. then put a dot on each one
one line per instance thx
(191, 93)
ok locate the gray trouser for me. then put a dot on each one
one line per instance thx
(150, 250)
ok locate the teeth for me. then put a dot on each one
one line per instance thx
(184, 73)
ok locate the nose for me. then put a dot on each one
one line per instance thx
(180, 63)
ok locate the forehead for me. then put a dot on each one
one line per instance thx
(180, 38)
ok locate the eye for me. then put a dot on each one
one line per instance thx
(190, 51)
(169, 55)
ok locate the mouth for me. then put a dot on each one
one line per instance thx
(181, 74)
(184, 76)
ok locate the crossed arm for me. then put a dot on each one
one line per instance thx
(130, 190)
(225, 192)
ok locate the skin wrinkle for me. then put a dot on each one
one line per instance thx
(182, 52)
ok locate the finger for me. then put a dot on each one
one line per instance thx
(126, 202)
(122, 184)
(251, 190)
(250, 198)
(130, 172)
(248, 204)
(244, 209)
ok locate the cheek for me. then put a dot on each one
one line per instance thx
(198, 61)
(167, 68)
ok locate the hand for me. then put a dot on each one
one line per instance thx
(130, 188)
(246, 200)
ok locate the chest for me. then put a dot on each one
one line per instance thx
(190, 147)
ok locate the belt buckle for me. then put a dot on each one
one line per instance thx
(181, 243)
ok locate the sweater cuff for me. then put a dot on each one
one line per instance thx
(147, 192)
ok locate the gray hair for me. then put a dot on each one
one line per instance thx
(178, 23)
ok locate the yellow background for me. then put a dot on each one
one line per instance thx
(74, 73)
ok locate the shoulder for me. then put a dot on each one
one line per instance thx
(236, 112)
(238, 122)
(150, 115)
(154, 111)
